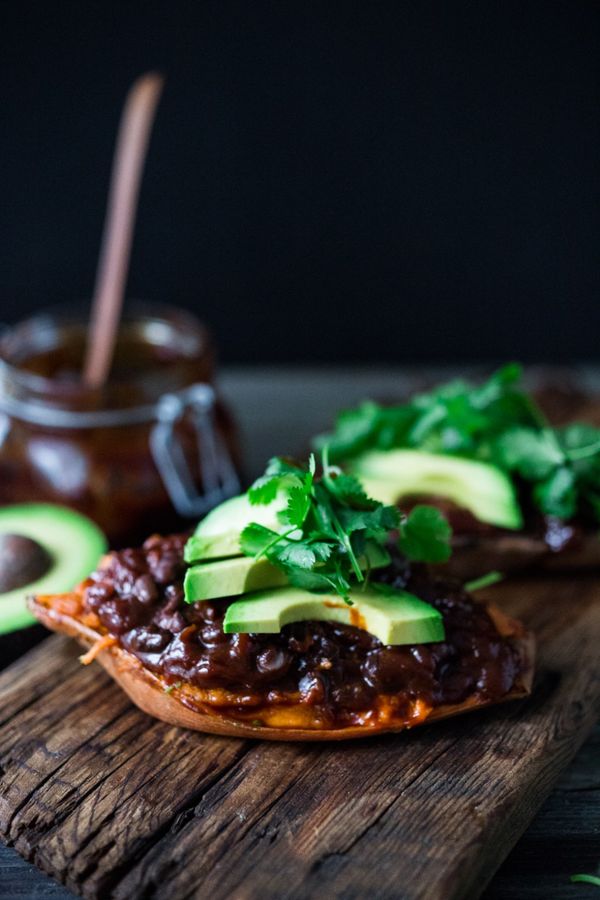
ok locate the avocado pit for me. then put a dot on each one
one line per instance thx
(22, 561)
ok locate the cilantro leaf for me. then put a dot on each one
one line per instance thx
(581, 444)
(299, 497)
(372, 522)
(494, 388)
(298, 506)
(321, 582)
(297, 554)
(533, 454)
(394, 425)
(578, 436)
(255, 539)
(348, 489)
(425, 535)
(279, 471)
(557, 495)
(336, 531)
(321, 549)
(354, 428)
(264, 490)
(453, 418)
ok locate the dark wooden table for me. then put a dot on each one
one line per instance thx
(278, 410)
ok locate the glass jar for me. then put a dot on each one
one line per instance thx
(151, 450)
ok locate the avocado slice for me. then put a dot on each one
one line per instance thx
(483, 489)
(230, 577)
(393, 616)
(44, 549)
(218, 534)
(241, 574)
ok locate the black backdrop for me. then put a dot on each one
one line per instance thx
(330, 181)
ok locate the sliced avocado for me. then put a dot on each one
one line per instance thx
(230, 577)
(69, 543)
(483, 489)
(241, 574)
(218, 534)
(395, 617)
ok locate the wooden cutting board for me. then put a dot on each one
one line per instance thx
(115, 804)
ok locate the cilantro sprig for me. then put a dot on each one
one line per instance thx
(562, 465)
(454, 418)
(586, 879)
(497, 422)
(332, 531)
(483, 581)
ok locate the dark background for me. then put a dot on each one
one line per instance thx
(373, 181)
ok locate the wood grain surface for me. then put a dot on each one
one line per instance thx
(114, 804)
(564, 837)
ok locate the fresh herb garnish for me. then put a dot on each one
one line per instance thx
(483, 581)
(454, 418)
(586, 879)
(332, 529)
(425, 535)
(563, 465)
(497, 422)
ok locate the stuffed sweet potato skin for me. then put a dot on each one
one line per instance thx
(187, 707)
(511, 553)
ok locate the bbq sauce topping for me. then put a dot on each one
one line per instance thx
(341, 669)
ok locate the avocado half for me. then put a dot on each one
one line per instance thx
(44, 549)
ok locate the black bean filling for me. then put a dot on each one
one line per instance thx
(139, 599)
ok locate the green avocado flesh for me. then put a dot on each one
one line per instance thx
(218, 534)
(73, 543)
(231, 577)
(483, 489)
(395, 617)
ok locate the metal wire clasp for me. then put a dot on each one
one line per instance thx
(219, 478)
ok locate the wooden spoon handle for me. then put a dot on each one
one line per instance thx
(130, 153)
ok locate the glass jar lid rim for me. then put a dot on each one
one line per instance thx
(40, 327)
(55, 417)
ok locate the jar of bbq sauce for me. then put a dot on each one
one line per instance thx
(150, 451)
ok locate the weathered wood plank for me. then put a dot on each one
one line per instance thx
(115, 804)
(563, 838)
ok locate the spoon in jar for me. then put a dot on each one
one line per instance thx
(130, 153)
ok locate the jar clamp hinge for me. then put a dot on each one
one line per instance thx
(218, 476)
